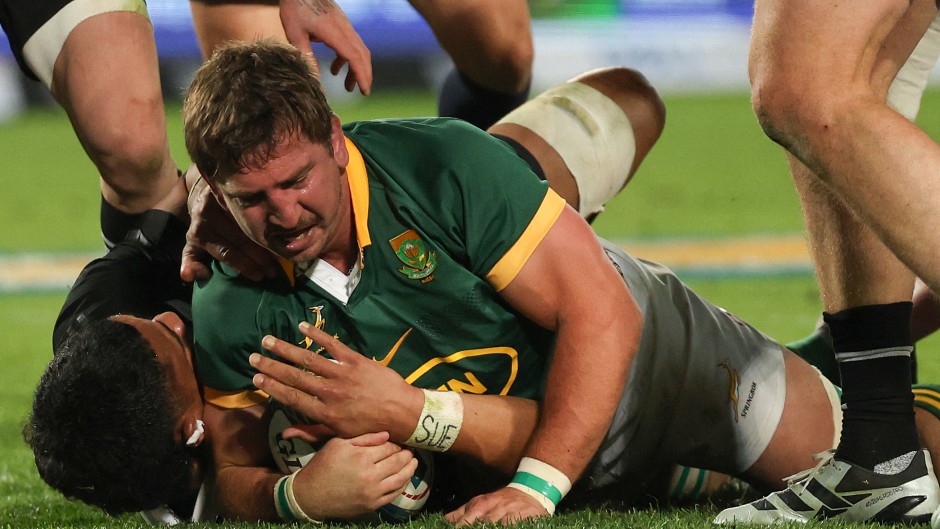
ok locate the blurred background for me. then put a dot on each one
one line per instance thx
(713, 200)
(681, 45)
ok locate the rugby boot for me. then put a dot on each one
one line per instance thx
(839, 489)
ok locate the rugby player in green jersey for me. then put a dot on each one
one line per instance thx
(518, 416)
(123, 283)
(430, 248)
(442, 156)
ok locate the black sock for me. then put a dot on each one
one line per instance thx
(873, 345)
(462, 98)
(115, 223)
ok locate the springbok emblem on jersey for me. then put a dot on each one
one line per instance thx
(734, 384)
(419, 261)
(318, 322)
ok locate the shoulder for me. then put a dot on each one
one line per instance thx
(418, 132)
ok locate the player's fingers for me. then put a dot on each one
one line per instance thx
(370, 439)
(300, 40)
(311, 433)
(311, 57)
(337, 349)
(512, 518)
(456, 515)
(467, 513)
(477, 509)
(337, 65)
(193, 269)
(297, 400)
(238, 259)
(398, 475)
(279, 377)
(303, 358)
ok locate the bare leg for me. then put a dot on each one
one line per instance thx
(834, 120)
(490, 42)
(806, 427)
(107, 80)
(216, 24)
(631, 92)
(819, 90)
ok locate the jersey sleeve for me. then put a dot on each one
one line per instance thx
(139, 276)
(230, 319)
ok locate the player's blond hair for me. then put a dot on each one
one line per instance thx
(245, 100)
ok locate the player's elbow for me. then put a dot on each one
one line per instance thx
(505, 60)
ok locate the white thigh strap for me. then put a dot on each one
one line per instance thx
(836, 403)
(591, 134)
(42, 49)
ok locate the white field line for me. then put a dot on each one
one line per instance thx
(731, 256)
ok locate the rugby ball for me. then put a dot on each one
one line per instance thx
(291, 455)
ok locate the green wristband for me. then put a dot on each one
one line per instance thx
(539, 485)
(281, 503)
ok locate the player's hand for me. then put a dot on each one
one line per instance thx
(351, 396)
(504, 506)
(352, 477)
(324, 21)
(213, 233)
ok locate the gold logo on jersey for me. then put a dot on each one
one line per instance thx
(318, 322)
(471, 384)
(419, 261)
(733, 386)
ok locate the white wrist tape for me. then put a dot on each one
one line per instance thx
(545, 483)
(439, 423)
(286, 504)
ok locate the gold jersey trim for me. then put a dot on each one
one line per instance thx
(359, 191)
(358, 180)
(506, 269)
(235, 400)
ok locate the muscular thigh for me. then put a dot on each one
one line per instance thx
(707, 390)
(901, 41)
(472, 29)
(220, 21)
(38, 29)
(821, 43)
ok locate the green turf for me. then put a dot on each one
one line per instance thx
(712, 174)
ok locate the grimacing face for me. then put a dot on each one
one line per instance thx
(297, 203)
(166, 334)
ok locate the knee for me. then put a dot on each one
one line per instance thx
(516, 58)
(506, 61)
(638, 99)
(791, 108)
(130, 152)
(130, 162)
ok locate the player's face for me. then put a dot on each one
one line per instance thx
(166, 335)
(296, 205)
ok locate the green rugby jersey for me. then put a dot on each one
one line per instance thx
(445, 216)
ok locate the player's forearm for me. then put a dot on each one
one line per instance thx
(247, 493)
(496, 430)
(244, 475)
(587, 376)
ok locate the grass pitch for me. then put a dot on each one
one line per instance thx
(713, 174)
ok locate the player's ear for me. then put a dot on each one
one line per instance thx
(194, 430)
(173, 322)
(338, 142)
